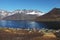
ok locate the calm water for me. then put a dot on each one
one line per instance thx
(30, 24)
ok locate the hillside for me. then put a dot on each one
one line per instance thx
(53, 15)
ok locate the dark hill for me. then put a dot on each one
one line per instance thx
(53, 15)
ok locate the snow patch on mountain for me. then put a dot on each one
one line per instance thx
(34, 13)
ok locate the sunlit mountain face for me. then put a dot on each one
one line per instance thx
(20, 14)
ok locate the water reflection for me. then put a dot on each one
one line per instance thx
(3, 23)
(21, 24)
(37, 25)
(29, 24)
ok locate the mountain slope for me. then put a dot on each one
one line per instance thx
(53, 15)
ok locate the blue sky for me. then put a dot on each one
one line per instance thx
(42, 5)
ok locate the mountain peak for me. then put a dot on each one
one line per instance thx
(57, 8)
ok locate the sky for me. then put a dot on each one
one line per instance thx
(41, 5)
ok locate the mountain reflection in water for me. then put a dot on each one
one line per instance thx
(29, 24)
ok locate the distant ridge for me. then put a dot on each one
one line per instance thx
(53, 15)
(21, 15)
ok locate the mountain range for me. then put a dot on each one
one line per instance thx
(53, 15)
(20, 14)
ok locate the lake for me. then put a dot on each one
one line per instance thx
(29, 24)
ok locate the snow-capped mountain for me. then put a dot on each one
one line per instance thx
(3, 14)
(20, 14)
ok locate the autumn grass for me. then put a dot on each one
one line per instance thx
(12, 34)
